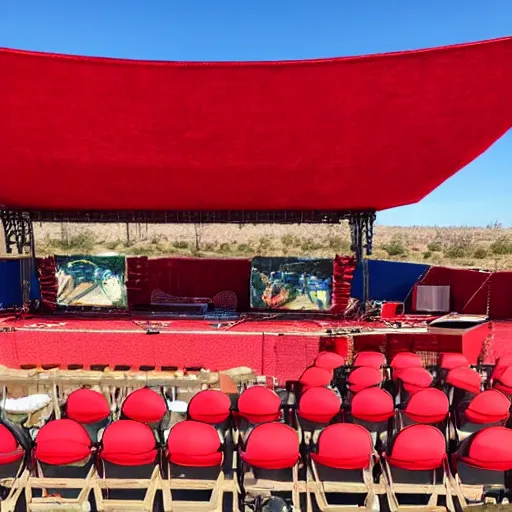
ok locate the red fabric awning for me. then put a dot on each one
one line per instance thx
(369, 132)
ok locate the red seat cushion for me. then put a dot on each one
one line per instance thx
(464, 378)
(209, 406)
(489, 448)
(373, 404)
(128, 443)
(144, 405)
(314, 377)
(87, 406)
(364, 377)
(344, 446)
(503, 380)
(451, 360)
(370, 359)
(272, 446)
(10, 450)
(329, 360)
(319, 405)
(258, 404)
(415, 379)
(490, 406)
(62, 442)
(427, 406)
(418, 448)
(195, 444)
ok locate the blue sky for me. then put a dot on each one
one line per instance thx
(286, 29)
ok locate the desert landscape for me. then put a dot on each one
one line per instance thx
(489, 247)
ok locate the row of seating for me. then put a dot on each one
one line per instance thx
(379, 434)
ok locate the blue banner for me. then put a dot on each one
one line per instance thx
(10, 284)
(389, 280)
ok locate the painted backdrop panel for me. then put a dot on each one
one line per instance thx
(291, 283)
(93, 281)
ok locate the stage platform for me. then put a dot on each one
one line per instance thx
(270, 346)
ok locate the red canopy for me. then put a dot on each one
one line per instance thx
(370, 132)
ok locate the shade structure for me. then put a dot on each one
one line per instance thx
(344, 134)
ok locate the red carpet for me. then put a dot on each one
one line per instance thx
(278, 348)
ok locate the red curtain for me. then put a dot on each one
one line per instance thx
(49, 286)
(343, 272)
(188, 277)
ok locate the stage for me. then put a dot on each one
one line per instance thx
(274, 347)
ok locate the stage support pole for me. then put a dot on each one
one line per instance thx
(361, 231)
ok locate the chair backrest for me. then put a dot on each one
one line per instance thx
(465, 379)
(364, 377)
(196, 444)
(129, 443)
(319, 405)
(209, 406)
(488, 407)
(144, 405)
(62, 442)
(489, 449)
(344, 446)
(503, 381)
(11, 450)
(369, 358)
(271, 446)
(87, 406)
(313, 377)
(372, 405)
(429, 406)
(259, 404)
(404, 360)
(329, 360)
(417, 448)
(451, 360)
(412, 380)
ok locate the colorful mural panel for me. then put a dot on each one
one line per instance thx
(297, 284)
(94, 281)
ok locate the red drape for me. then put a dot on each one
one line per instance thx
(188, 277)
(343, 272)
(48, 283)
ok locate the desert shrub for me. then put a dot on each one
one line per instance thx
(81, 242)
(156, 239)
(458, 249)
(140, 251)
(180, 244)
(308, 244)
(265, 242)
(395, 248)
(290, 241)
(480, 253)
(427, 255)
(224, 247)
(287, 240)
(113, 244)
(245, 248)
(435, 246)
(209, 247)
(339, 244)
(501, 246)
